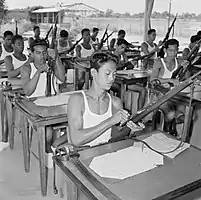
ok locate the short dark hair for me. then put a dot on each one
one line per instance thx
(171, 42)
(37, 42)
(36, 27)
(7, 33)
(64, 33)
(99, 58)
(194, 38)
(95, 29)
(85, 30)
(121, 32)
(199, 33)
(16, 37)
(122, 41)
(150, 31)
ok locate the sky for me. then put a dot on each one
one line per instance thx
(132, 6)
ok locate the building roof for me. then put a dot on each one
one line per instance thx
(72, 7)
(80, 7)
(48, 10)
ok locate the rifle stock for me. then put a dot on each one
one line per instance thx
(102, 39)
(152, 106)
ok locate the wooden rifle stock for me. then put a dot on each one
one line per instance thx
(16, 28)
(152, 106)
(161, 52)
(102, 39)
(180, 72)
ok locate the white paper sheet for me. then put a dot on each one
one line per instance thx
(126, 162)
(162, 143)
(57, 100)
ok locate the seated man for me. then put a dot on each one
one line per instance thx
(113, 42)
(36, 30)
(34, 73)
(94, 39)
(148, 47)
(162, 70)
(14, 62)
(123, 61)
(83, 53)
(63, 43)
(92, 113)
(193, 42)
(6, 48)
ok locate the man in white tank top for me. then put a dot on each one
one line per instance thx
(14, 62)
(6, 48)
(148, 47)
(93, 113)
(94, 40)
(83, 53)
(33, 76)
(162, 70)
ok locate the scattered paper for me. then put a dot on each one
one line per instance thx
(57, 100)
(162, 143)
(126, 162)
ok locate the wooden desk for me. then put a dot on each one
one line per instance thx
(39, 117)
(128, 77)
(182, 173)
(82, 66)
(6, 109)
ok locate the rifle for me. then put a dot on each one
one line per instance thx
(161, 52)
(72, 48)
(47, 35)
(50, 61)
(180, 72)
(16, 28)
(154, 105)
(102, 39)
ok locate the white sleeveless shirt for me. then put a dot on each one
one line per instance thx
(41, 85)
(17, 63)
(91, 119)
(167, 73)
(4, 52)
(60, 48)
(86, 52)
(150, 48)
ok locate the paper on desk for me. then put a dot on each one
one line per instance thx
(126, 162)
(162, 143)
(57, 100)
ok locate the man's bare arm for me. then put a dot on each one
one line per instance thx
(59, 69)
(29, 85)
(79, 135)
(11, 72)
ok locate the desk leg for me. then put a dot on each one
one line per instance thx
(75, 79)
(123, 91)
(187, 124)
(2, 115)
(25, 144)
(41, 151)
(10, 118)
(86, 80)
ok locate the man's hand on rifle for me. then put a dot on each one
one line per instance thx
(185, 63)
(43, 68)
(53, 53)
